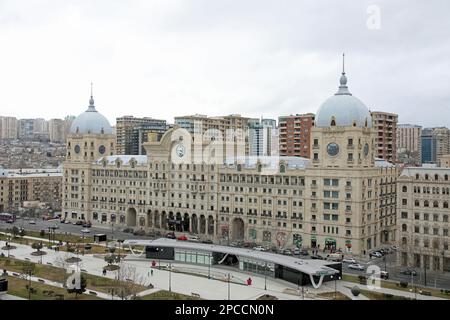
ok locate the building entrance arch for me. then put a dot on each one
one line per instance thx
(237, 229)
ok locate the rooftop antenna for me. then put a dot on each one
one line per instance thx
(343, 63)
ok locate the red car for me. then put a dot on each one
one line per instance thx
(182, 238)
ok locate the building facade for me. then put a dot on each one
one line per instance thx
(423, 215)
(132, 131)
(263, 138)
(342, 198)
(385, 125)
(295, 135)
(17, 186)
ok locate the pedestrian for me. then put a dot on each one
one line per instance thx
(104, 272)
(151, 272)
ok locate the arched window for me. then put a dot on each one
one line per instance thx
(446, 177)
(426, 203)
(404, 228)
(436, 177)
(416, 203)
(404, 241)
(282, 168)
(426, 177)
(239, 167)
(445, 205)
(435, 204)
(404, 189)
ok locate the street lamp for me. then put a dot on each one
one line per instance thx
(228, 286)
(335, 277)
(265, 276)
(170, 277)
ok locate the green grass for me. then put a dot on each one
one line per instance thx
(166, 295)
(393, 285)
(372, 295)
(96, 283)
(330, 295)
(17, 287)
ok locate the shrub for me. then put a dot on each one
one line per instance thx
(388, 295)
(356, 291)
(403, 284)
(42, 233)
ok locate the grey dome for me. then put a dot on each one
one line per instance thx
(91, 121)
(344, 108)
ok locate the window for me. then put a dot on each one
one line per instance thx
(404, 228)
(404, 215)
(404, 189)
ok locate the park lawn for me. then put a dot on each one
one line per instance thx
(330, 295)
(93, 282)
(393, 285)
(372, 295)
(18, 288)
(167, 295)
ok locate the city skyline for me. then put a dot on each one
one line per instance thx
(169, 58)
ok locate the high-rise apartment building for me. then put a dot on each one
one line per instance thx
(295, 135)
(435, 143)
(131, 132)
(57, 130)
(263, 137)
(409, 143)
(385, 125)
(9, 128)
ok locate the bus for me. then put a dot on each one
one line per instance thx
(7, 217)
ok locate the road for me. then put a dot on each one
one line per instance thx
(70, 229)
(434, 279)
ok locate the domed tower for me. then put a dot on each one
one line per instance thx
(342, 135)
(90, 138)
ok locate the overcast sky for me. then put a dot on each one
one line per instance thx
(253, 57)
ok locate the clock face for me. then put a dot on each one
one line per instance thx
(366, 149)
(180, 150)
(77, 149)
(333, 149)
(101, 149)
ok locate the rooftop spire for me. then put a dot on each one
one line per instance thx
(91, 100)
(343, 89)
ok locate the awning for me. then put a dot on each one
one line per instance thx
(330, 241)
(313, 238)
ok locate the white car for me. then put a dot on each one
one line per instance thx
(85, 230)
(32, 222)
(259, 248)
(67, 222)
(193, 238)
(349, 260)
(356, 266)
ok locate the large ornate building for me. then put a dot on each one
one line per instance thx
(340, 198)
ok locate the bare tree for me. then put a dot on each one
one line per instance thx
(128, 281)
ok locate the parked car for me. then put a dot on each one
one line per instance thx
(63, 221)
(375, 254)
(32, 222)
(128, 230)
(207, 241)
(356, 266)
(85, 230)
(10, 221)
(317, 257)
(296, 251)
(67, 222)
(259, 248)
(87, 225)
(182, 238)
(79, 223)
(334, 257)
(287, 252)
(304, 252)
(395, 248)
(193, 239)
(409, 272)
(139, 233)
(349, 260)
(171, 235)
(55, 226)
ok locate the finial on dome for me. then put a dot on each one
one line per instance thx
(91, 100)
(343, 89)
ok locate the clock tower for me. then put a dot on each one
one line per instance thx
(342, 136)
(89, 139)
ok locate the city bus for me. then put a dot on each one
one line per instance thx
(7, 217)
